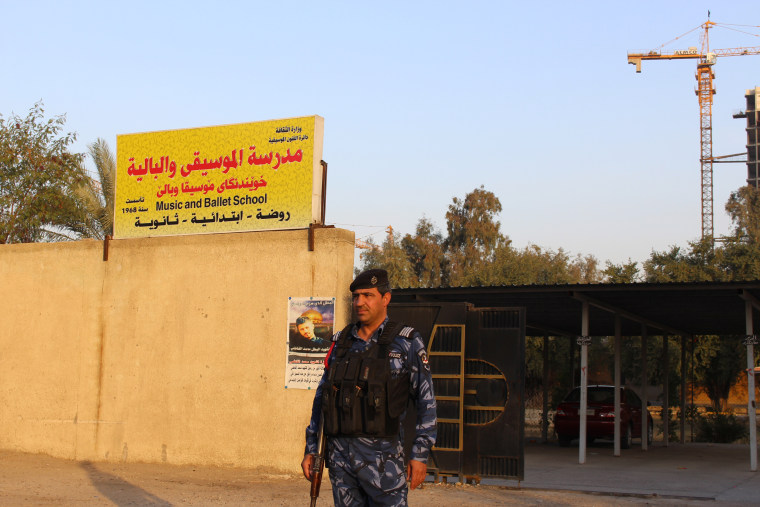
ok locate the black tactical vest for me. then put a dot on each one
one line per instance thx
(360, 398)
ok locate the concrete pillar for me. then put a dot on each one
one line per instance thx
(750, 341)
(644, 384)
(618, 340)
(683, 389)
(545, 408)
(692, 342)
(584, 339)
(665, 414)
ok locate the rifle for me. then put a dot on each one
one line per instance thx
(318, 464)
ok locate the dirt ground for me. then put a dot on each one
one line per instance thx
(39, 480)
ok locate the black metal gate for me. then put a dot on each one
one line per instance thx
(477, 358)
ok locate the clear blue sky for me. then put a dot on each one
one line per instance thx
(422, 101)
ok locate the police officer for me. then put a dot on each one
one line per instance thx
(374, 367)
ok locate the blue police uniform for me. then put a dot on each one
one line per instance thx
(370, 470)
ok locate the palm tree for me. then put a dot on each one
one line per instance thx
(95, 198)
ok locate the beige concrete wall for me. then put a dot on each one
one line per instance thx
(171, 351)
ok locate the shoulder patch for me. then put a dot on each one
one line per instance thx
(336, 336)
(407, 332)
(424, 359)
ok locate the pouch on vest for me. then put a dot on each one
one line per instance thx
(374, 408)
(338, 371)
(373, 373)
(329, 395)
(398, 395)
(350, 407)
(350, 402)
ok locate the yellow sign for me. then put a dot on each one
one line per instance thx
(232, 178)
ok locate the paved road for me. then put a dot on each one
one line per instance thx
(694, 474)
(719, 472)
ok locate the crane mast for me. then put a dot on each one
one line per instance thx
(704, 91)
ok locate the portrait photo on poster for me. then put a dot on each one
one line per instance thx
(310, 329)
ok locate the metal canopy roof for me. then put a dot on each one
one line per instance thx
(665, 308)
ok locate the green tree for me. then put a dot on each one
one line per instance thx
(37, 175)
(585, 269)
(702, 262)
(627, 272)
(719, 360)
(473, 235)
(392, 257)
(534, 265)
(426, 255)
(743, 206)
(95, 198)
(742, 248)
(667, 266)
(474, 252)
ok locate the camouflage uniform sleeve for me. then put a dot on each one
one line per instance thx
(316, 413)
(424, 399)
(312, 429)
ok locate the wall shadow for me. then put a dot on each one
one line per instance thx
(119, 491)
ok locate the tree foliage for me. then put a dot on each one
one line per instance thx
(425, 251)
(95, 198)
(473, 235)
(743, 246)
(627, 272)
(699, 263)
(743, 207)
(37, 177)
(719, 360)
(474, 252)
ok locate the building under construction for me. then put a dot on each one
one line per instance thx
(752, 113)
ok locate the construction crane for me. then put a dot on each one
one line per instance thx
(364, 245)
(705, 91)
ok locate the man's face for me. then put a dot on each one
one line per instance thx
(370, 306)
(306, 329)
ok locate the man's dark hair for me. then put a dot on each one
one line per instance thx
(302, 320)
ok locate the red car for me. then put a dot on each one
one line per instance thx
(600, 416)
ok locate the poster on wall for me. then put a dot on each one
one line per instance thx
(264, 175)
(309, 334)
